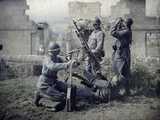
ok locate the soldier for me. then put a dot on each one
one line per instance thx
(50, 87)
(122, 31)
(95, 43)
(1, 46)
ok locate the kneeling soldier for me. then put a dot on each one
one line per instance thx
(50, 87)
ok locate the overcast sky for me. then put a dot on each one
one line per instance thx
(43, 10)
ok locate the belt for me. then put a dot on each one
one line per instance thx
(50, 76)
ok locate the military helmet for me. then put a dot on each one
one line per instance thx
(129, 21)
(53, 47)
(97, 21)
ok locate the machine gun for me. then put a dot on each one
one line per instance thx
(72, 53)
(85, 46)
(71, 92)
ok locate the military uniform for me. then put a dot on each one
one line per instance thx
(49, 86)
(48, 82)
(95, 43)
(121, 55)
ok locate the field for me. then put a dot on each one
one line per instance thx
(16, 103)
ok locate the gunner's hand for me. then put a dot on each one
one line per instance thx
(75, 63)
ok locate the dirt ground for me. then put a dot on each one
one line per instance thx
(16, 97)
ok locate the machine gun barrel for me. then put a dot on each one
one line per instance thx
(71, 92)
(85, 45)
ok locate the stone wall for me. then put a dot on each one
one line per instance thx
(142, 24)
(87, 10)
(152, 8)
(41, 38)
(137, 48)
(15, 27)
(15, 42)
(20, 66)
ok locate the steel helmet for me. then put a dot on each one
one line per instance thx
(53, 48)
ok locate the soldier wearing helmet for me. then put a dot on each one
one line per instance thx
(121, 55)
(49, 86)
(96, 45)
(48, 83)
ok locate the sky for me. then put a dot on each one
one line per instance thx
(44, 10)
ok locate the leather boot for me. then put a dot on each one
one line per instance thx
(37, 98)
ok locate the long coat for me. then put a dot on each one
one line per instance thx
(121, 55)
(96, 45)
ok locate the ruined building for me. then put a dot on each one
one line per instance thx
(20, 38)
(146, 29)
(15, 27)
(18, 34)
(40, 38)
(87, 10)
(79, 11)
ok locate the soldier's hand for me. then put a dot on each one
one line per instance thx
(75, 63)
(118, 20)
(69, 63)
(114, 47)
(94, 51)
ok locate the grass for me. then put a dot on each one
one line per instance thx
(16, 100)
(16, 103)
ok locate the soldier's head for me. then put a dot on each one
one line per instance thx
(53, 49)
(1, 46)
(129, 22)
(96, 23)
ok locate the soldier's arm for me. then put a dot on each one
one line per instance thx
(56, 66)
(100, 42)
(113, 30)
(122, 32)
(119, 33)
(114, 27)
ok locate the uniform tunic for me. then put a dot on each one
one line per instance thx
(121, 54)
(95, 43)
(56, 89)
(48, 82)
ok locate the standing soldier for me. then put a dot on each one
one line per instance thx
(122, 31)
(95, 43)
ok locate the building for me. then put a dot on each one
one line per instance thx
(15, 27)
(152, 8)
(146, 28)
(85, 10)
(41, 38)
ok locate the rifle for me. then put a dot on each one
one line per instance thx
(85, 45)
(72, 53)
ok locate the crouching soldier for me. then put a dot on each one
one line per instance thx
(50, 87)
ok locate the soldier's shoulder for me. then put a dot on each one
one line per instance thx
(61, 58)
(46, 59)
(100, 32)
